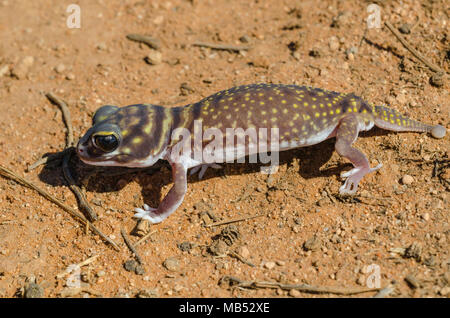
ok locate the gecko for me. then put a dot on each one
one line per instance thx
(139, 135)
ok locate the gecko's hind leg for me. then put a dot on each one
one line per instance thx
(346, 134)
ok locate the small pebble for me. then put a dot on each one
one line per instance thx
(244, 39)
(60, 68)
(405, 28)
(33, 290)
(4, 70)
(313, 244)
(426, 216)
(153, 58)
(437, 80)
(444, 291)
(281, 263)
(294, 293)
(102, 46)
(70, 76)
(407, 179)
(412, 281)
(130, 265)
(243, 251)
(101, 273)
(269, 265)
(133, 266)
(172, 264)
(315, 53)
(185, 246)
(21, 69)
(361, 280)
(333, 43)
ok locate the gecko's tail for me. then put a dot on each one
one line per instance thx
(390, 119)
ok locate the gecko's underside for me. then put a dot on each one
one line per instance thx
(291, 116)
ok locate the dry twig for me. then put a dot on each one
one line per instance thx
(233, 281)
(82, 201)
(13, 176)
(241, 258)
(414, 52)
(81, 264)
(223, 47)
(150, 41)
(130, 246)
(66, 115)
(51, 157)
(144, 238)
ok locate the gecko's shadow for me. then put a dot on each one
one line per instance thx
(153, 179)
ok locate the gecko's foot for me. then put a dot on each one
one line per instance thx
(353, 176)
(148, 213)
(203, 168)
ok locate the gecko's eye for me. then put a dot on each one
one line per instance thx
(106, 142)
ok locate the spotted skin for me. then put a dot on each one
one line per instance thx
(303, 116)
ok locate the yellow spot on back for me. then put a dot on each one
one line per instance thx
(148, 128)
(126, 150)
(274, 110)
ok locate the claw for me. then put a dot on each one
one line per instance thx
(147, 213)
(353, 176)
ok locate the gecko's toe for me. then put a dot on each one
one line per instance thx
(348, 189)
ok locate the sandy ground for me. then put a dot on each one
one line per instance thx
(393, 232)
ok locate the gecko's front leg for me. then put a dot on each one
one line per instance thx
(171, 201)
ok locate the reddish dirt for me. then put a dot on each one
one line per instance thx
(301, 42)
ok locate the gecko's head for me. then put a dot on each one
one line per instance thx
(130, 136)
